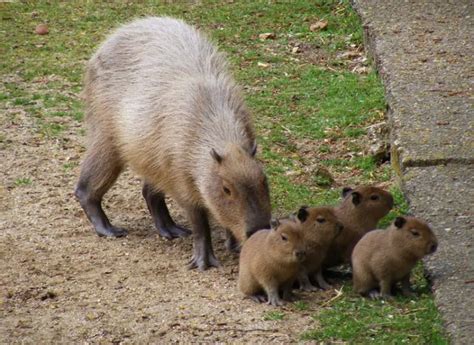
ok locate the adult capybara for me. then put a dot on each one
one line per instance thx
(159, 100)
(359, 211)
(383, 258)
(270, 261)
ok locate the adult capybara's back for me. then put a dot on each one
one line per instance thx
(159, 99)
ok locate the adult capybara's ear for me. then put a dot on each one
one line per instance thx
(253, 151)
(216, 156)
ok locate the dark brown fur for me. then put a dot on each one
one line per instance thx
(360, 211)
(384, 257)
(270, 261)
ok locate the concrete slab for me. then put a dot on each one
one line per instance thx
(444, 196)
(424, 51)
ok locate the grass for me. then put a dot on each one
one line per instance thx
(311, 109)
(273, 316)
(23, 181)
(402, 321)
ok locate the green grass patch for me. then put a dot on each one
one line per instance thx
(400, 321)
(273, 315)
(23, 181)
(301, 305)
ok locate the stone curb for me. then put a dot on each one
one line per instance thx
(423, 51)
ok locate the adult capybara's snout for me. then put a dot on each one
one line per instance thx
(258, 226)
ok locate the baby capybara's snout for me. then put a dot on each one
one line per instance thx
(300, 254)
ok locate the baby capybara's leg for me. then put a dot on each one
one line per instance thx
(99, 171)
(161, 216)
(406, 288)
(273, 295)
(203, 254)
(386, 288)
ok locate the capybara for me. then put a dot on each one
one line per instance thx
(320, 227)
(384, 257)
(270, 260)
(159, 99)
(359, 211)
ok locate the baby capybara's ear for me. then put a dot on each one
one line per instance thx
(400, 222)
(356, 198)
(274, 223)
(303, 214)
(345, 191)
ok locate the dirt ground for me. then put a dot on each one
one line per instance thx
(60, 283)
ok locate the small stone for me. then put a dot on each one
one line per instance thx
(267, 35)
(378, 135)
(41, 29)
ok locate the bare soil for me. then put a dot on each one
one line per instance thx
(60, 282)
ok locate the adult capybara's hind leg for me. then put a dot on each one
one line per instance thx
(99, 171)
(161, 216)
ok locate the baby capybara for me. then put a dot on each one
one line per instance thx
(270, 261)
(384, 257)
(360, 211)
(320, 228)
(159, 99)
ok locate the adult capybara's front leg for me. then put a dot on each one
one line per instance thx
(161, 216)
(231, 242)
(203, 254)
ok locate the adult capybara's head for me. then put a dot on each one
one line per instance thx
(237, 192)
(414, 237)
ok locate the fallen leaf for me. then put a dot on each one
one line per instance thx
(267, 35)
(295, 50)
(319, 25)
(263, 64)
(349, 54)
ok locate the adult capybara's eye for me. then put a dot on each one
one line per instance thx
(320, 220)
